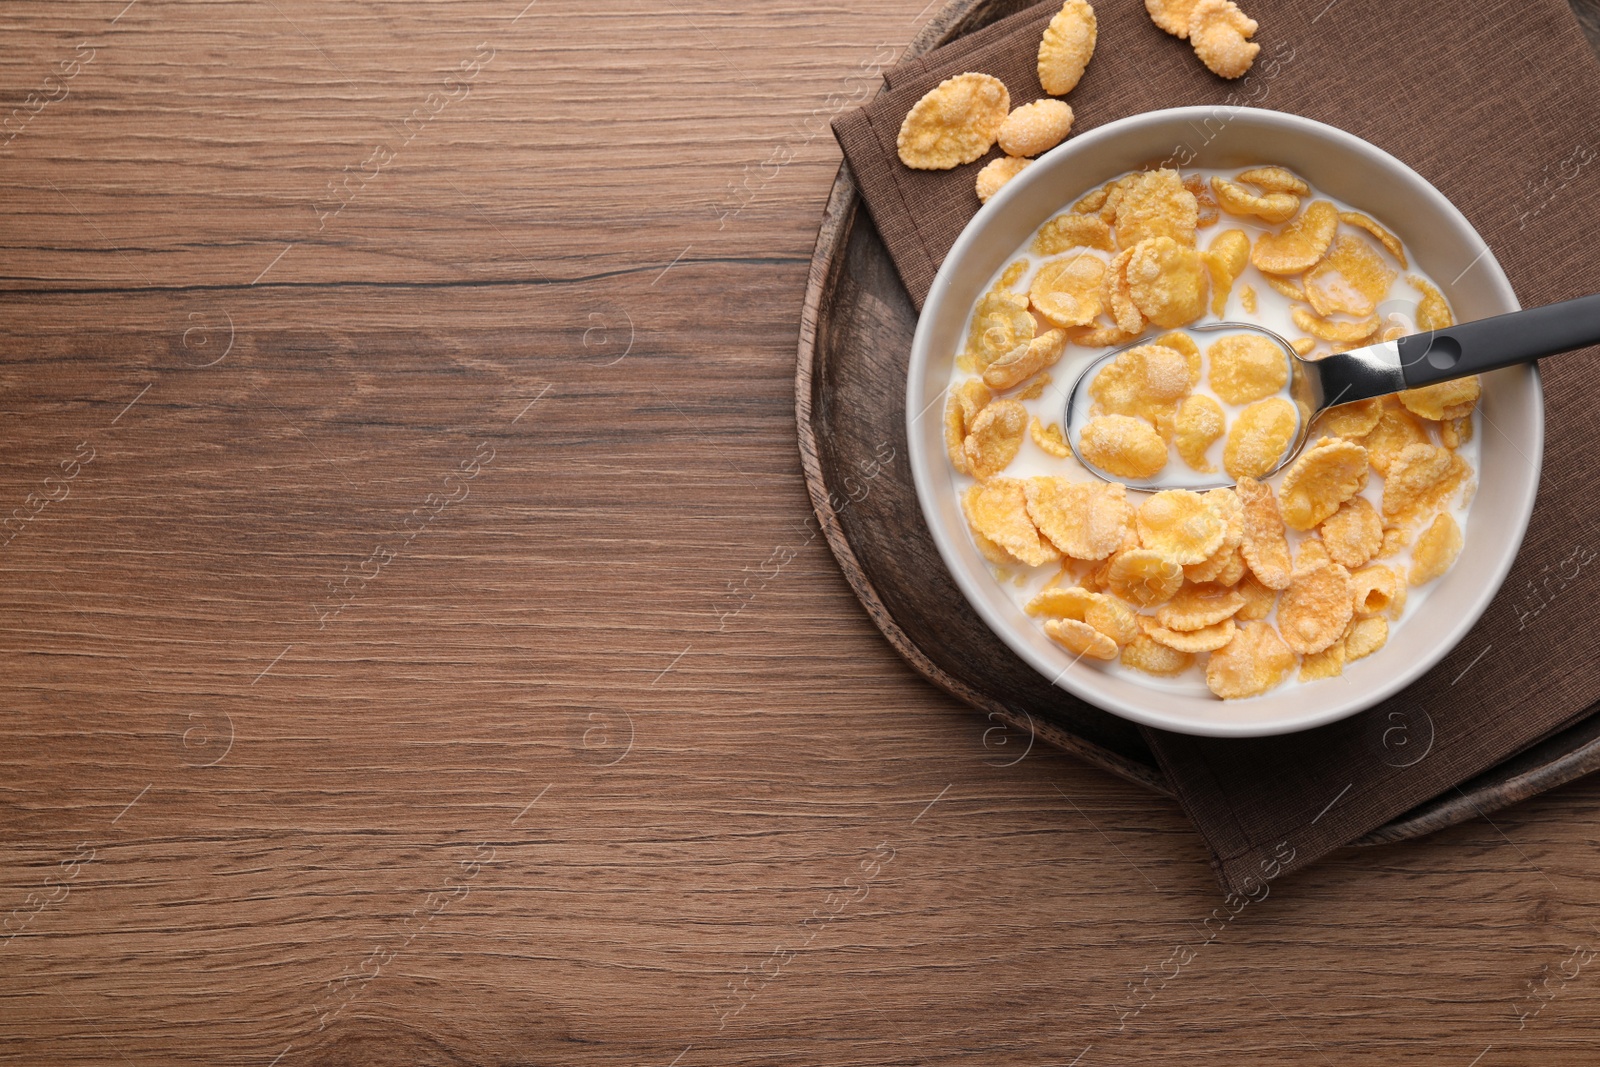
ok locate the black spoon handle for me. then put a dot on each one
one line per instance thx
(1489, 344)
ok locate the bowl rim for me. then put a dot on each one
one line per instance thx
(923, 466)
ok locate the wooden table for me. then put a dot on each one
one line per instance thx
(418, 647)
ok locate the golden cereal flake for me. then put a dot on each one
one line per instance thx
(1114, 619)
(1035, 389)
(1122, 445)
(1184, 345)
(1035, 128)
(1070, 230)
(1141, 381)
(1200, 424)
(1024, 361)
(1204, 201)
(1444, 400)
(1066, 291)
(1258, 599)
(955, 123)
(1336, 331)
(1000, 323)
(1081, 638)
(1387, 239)
(1247, 299)
(960, 411)
(1259, 437)
(1271, 208)
(1226, 259)
(1198, 606)
(1167, 281)
(1433, 313)
(1154, 203)
(1205, 639)
(1247, 367)
(1063, 602)
(995, 437)
(997, 511)
(1322, 478)
(1351, 279)
(1012, 274)
(1085, 520)
(1067, 47)
(1144, 577)
(1255, 661)
(1287, 287)
(995, 174)
(1421, 479)
(1354, 420)
(1312, 550)
(1274, 180)
(1049, 438)
(1220, 34)
(1103, 336)
(1376, 589)
(1395, 431)
(1265, 545)
(1180, 525)
(1329, 663)
(1315, 609)
(1353, 534)
(1171, 15)
(1366, 636)
(1152, 657)
(1117, 297)
(1456, 432)
(1299, 245)
(1436, 550)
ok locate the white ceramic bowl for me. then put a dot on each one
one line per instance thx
(1442, 243)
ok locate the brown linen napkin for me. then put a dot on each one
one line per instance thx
(1499, 107)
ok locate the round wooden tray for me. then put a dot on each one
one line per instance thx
(855, 339)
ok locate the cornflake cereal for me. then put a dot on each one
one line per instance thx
(995, 174)
(1220, 34)
(1067, 47)
(956, 122)
(1035, 128)
(1294, 575)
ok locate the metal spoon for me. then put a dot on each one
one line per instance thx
(1381, 369)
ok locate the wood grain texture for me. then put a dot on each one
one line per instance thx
(418, 646)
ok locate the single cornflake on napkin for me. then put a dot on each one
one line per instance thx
(1506, 123)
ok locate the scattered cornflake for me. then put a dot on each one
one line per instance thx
(1122, 445)
(997, 511)
(1329, 663)
(1255, 661)
(1103, 336)
(1226, 259)
(1114, 619)
(1265, 545)
(954, 123)
(1118, 297)
(1184, 345)
(1035, 389)
(1353, 534)
(1154, 203)
(1049, 438)
(1322, 478)
(1081, 638)
(1247, 367)
(1085, 520)
(1433, 313)
(1220, 34)
(1204, 201)
(1067, 47)
(1395, 431)
(1456, 432)
(1274, 180)
(1366, 636)
(1152, 657)
(1180, 525)
(1144, 577)
(1259, 438)
(1200, 424)
(1312, 550)
(1171, 15)
(1272, 208)
(1354, 420)
(960, 411)
(1444, 400)
(1287, 287)
(1338, 332)
(1376, 589)
(1198, 606)
(1035, 128)
(995, 174)
(1000, 323)
(1315, 609)
(1066, 291)
(1422, 478)
(1070, 230)
(1351, 279)
(1387, 239)
(1204, 639)
(995, 437)
(1167, 281)
(1024, 361)
(1063, 602)
(1298, 246)
(1436, 550)
(1258, 599)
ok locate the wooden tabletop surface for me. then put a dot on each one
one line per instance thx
(417, 644)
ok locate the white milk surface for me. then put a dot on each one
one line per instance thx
(1272, 312)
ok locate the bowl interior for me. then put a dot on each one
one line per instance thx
(1442, 243)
